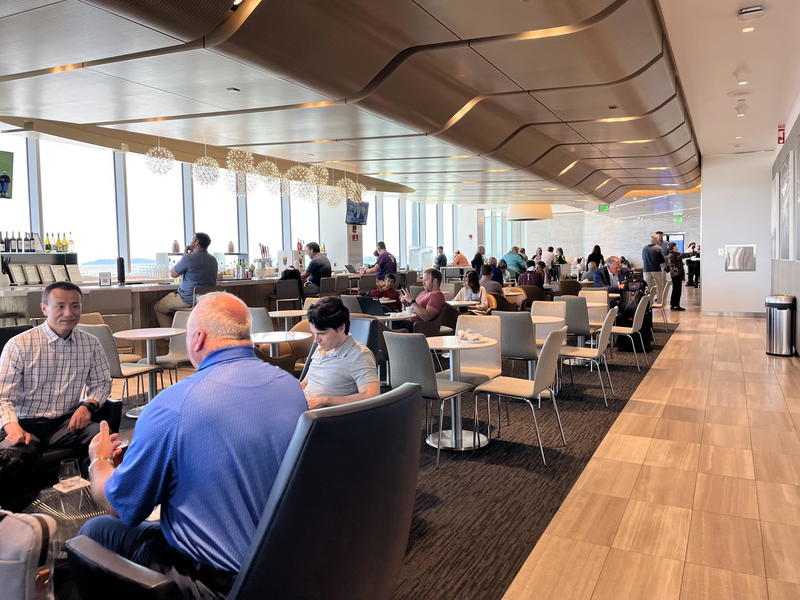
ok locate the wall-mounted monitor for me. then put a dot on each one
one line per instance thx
(6, 173)
(357, 212)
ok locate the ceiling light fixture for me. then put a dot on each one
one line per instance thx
(738, 137)
(205, 170)
(159, 159)
(617, 119)
(497, 170)
(469, 182)
(568, 167)
(602, 184)
(550, 189)
(741, 74)
(748, 29)
(741, 108)
(462, 156)
(635, 141)
(658, 168)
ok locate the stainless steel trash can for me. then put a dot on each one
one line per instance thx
(780, 325)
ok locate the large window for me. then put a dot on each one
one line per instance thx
(14, 214)
(447, 229)
(215, 213)
(410, 229)
(431, 225)
(369, 231)
(155, 210)
(264, 220)
(305, 217)
(78, 200)
(391, 224)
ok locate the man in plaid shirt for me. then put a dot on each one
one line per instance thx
(43, 373)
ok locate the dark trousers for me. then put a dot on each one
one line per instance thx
(21, 468)
(146, 545)
(677, 288)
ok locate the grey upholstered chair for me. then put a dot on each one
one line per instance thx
(260, 321)
(176, 356)
(410, 361)
(528, 390)
(360, 536)
(518, 338)
(636, 327)
(352, 304)
(577, 317)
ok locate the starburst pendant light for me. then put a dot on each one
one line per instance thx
(270, 175)
(306, 187)
(319, 174)
(351, 189)
(159, 159)
(240, 164)
(331, 195)
(205, 170)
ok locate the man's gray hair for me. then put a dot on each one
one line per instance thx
(612, 259)
(591, 265)
(223, 316)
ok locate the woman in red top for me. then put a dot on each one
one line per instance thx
(387, 289)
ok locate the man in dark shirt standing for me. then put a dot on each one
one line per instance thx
(653, 259)
(318, 267)
(477, 260)
(441, 258)
(198, 267)
(385, 264)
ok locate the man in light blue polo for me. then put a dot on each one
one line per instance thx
(197, 267)
(207, 450)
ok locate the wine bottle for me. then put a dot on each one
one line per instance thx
(2, 242)
(28, 241)
(58, 243)
(20, 243)
(47, 247)
(70, 244)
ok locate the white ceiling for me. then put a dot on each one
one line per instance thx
(709, 45)
(468, 101)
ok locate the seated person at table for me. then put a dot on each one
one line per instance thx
(527, 278)
(508, 275)
(492, 287)
(588, 274)
(497, 273)
(612, 275)
(459, 260)
(198, 267)
(207, 449)
(342, 370)
(473, 291)
(429, 302)
(43, 372)
(318, 267)
(388, 289)
(385, 264)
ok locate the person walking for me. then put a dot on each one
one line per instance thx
(653, 259)
(677, 273)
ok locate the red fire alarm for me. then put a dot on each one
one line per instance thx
(469, 236)
(781, 133)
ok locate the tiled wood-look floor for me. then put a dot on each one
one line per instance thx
(695, 492)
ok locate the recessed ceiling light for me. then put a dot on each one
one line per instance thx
(386, 173)
(742, 82)
(738, 137)
(748, 29)
(236, 3)
(461, 156)
(635, 141)
(602, 184)
(658, 168)
(617, 119)
(550, 189)
(497, 170)
(671, 184)
(469, 182)
(568, 167)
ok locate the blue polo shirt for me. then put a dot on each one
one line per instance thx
(207, 449)
(197, 268)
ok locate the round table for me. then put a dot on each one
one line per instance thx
(457, 438)
(597, 311)
(286, 315)
(387, 301)
(464, 303)
(275, 338)
(148, 335)
(394, 316)
(544, 325)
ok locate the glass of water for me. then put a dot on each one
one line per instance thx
(69, 474)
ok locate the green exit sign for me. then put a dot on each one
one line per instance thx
(603, 208)
(678, 219)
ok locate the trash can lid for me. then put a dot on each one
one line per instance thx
(779, 300)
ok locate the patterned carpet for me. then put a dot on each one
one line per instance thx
(479, 515)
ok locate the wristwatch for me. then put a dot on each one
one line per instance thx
(92, 407)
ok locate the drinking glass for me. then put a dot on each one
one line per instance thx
(69, 474)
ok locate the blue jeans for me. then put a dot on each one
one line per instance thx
(146, 545)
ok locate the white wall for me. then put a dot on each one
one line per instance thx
(466, 224)
(334, 232)
(735, 201)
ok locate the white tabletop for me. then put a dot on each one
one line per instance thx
(462, 303)
(276, 337)
(596, 305)
(150, 333)
(394, 316)
(452, 342)
(545, 319)
(387, 301)
(287, 314)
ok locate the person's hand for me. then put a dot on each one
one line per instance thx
(406, 297)
(80, 419)
(104, 444)
(15, 434)
(317, 402)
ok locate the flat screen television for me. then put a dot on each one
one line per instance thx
(357, 212)
(6, 173)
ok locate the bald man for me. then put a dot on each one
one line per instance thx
(207, 450)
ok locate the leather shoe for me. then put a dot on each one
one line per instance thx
(677, 308)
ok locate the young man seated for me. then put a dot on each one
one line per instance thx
(207, 450)
(388, 289)
(430, 302)
(491, 286)
(342, 370)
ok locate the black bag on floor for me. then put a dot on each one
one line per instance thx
(19, 482)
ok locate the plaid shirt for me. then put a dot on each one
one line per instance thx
(43, 375)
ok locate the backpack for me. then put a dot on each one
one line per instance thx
(26, 556)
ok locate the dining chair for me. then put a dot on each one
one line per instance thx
(595, 356)
(577, 318)
(568, 287)
(518, 338)
(327, 286)
(176, 354)
(410, 361)
(599, 295)
(342, 285)
(481, 364)
(367, 283)
(532, 294)
(201, 290)
(260, 321)
(529, 390)
(662, 305)
(636, 327)
(351, 303)
(502, 303)
(288, 290)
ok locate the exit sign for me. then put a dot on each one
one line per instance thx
(603, 208)
(678, 219)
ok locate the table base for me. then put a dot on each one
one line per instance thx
(135, 413)
(466, 440)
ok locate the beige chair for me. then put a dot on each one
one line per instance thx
(481, 364)
(124, 371)
(176, 355)
(124, 348)
(595, 356)
(545, 308)
(527, 390)
(636, 327)
(299, 349)
(407, 357)
(351, 303)
(309, 302)
(662, 306)
(595, 295)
